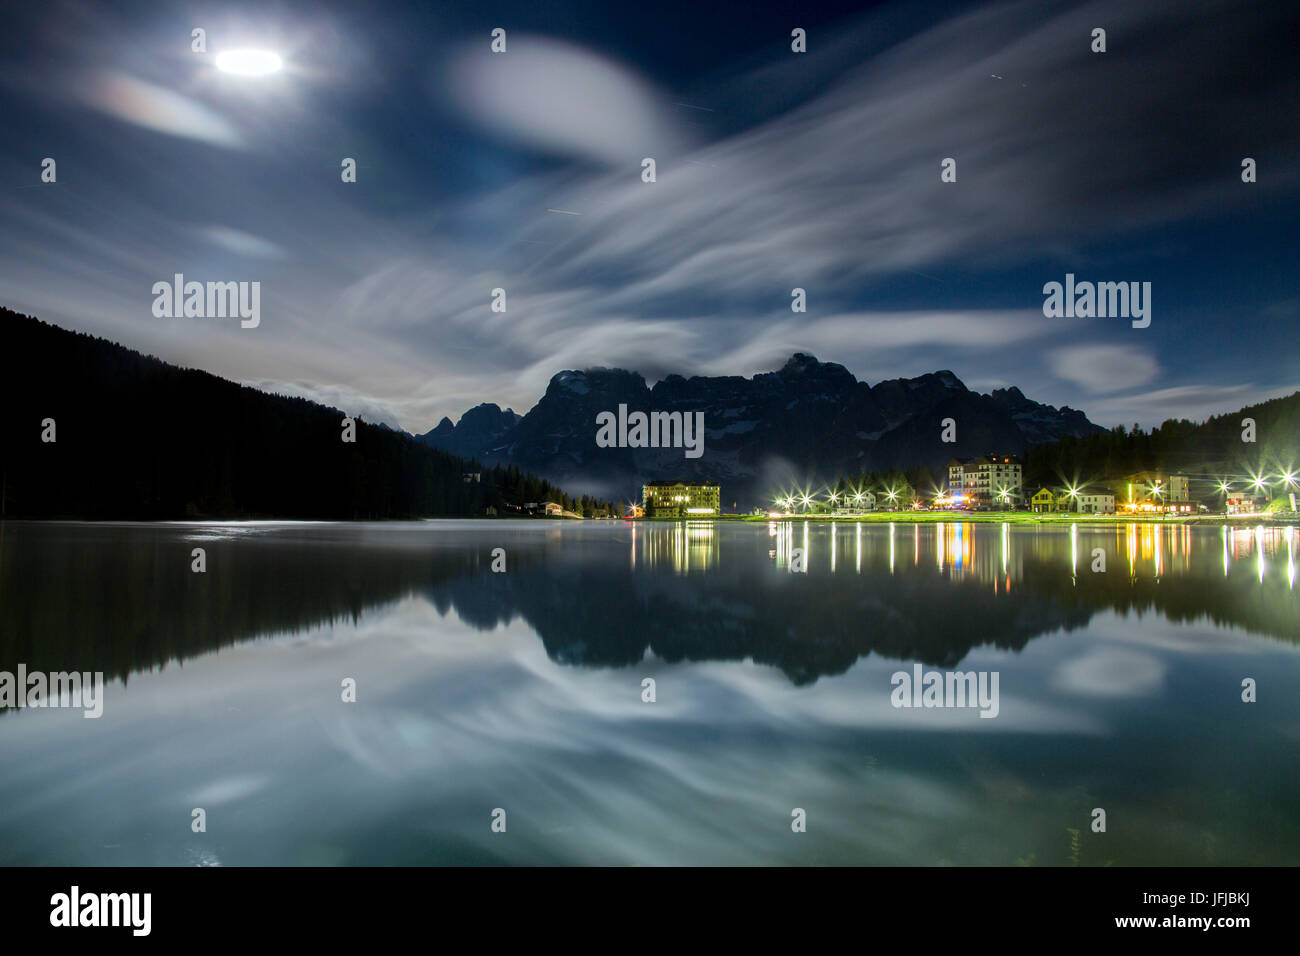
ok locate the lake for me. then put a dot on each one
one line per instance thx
(520, 698)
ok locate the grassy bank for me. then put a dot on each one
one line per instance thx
(1023, 517)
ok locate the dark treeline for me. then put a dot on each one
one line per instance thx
(1208, 450)
(906, 485)
(137, 438)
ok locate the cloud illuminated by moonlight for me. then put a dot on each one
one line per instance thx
(156, 108)
(563, 99)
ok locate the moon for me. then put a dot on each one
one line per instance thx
(247, 62)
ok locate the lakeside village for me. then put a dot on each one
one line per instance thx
(993, 485)
(990, 486)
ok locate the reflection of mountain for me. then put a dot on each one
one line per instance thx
(806, 626)
(122, 599)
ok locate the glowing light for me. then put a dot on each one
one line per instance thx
(1259, 550)
(1290, 558)
(249, 62)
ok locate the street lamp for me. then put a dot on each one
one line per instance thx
(1157, 489)
(1072, 491)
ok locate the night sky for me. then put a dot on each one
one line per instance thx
(775, 170)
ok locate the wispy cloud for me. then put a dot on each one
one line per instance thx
(1104, 368)
(1195, 402)
(157, 108)
(381, 289)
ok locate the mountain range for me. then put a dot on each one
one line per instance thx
(809, 421)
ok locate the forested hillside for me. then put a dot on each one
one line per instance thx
(137, 438)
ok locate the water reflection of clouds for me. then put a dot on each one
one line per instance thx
(452, 721)
(1157, 632)
(455, 717)
(228, 789)
(1111, 672)
(232, 530)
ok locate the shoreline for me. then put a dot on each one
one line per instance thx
(1021, 517)
(926, 517)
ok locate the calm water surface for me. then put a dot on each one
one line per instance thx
(523, 691)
